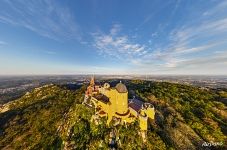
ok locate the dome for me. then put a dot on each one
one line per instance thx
(121, 88)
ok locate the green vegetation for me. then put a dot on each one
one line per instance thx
(223, 94)
(52, 117)
(33, 120)
(186, 105)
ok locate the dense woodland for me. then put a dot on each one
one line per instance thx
(52, 117)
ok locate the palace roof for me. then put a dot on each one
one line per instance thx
(121, 88)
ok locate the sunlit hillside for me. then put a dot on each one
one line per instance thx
(52, 117)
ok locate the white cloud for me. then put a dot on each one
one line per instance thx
(115, 29)
(209, 36)
(181, 52)
(219, 8)
(182, 55)
(120, 46)
(211, 64)
(45, 17)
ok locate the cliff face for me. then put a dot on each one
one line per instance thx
(52, 117)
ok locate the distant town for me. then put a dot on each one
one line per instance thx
(12, 87)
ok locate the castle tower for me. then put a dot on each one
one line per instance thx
(92, 82)
(121, 105)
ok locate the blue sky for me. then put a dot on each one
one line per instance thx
(113, 37)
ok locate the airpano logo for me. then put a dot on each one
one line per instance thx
(209, 144)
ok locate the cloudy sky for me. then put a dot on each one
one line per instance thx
(113, 37)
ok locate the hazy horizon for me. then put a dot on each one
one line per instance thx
(90, 74)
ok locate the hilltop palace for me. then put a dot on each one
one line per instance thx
(113, 103)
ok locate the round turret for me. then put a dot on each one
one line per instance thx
(121, 102)
(121, 88)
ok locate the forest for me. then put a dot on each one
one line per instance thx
(53, 117)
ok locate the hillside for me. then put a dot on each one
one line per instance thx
(52, 117)
(32, 121)
(186, 116)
